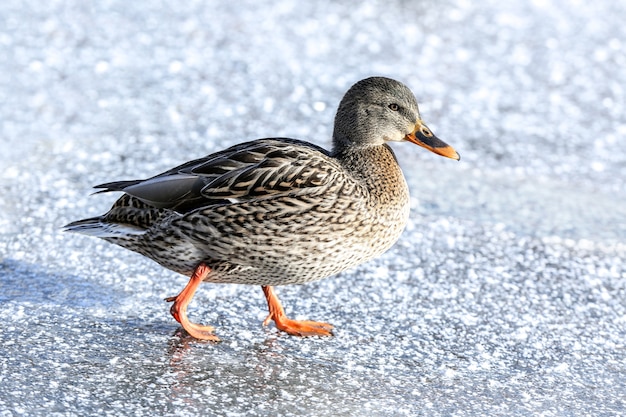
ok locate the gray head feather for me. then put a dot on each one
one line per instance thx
(367, 114)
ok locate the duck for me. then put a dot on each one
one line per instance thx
(276, 211)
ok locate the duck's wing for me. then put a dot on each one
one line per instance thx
(253, 170)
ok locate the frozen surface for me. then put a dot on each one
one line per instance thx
(505, 296)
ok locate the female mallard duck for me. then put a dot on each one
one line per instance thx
(277, 211)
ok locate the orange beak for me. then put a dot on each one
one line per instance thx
(425, 138)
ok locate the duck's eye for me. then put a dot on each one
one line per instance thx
(394, 107)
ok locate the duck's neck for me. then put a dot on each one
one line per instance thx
(375, 166)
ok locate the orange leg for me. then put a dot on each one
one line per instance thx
(293, 327)
(182, 300)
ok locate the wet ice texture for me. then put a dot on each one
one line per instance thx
(505, 296)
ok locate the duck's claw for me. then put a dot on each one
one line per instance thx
(182, 300)
(292, 327)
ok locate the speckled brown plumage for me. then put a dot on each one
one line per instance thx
(278, 211)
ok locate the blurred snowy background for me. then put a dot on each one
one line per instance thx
(505, 296)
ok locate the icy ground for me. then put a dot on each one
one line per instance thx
(506, 295)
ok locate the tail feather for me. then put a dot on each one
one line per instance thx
(97, 227)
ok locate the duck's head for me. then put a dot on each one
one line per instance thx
(378, 110)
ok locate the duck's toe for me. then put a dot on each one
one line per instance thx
(301, 327)
(182, 300)
(292, 327)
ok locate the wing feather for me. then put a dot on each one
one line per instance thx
(259, 169)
